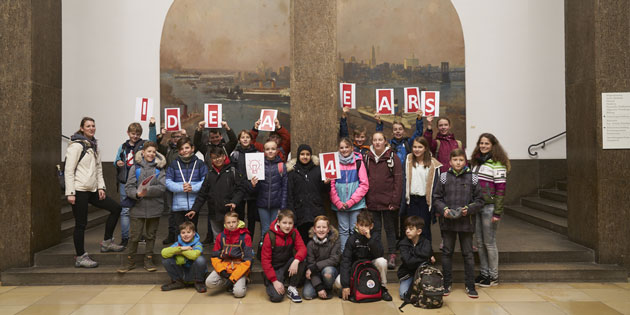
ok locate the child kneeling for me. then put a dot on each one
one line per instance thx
(231, 257)
(414, 251)
(283, 256)
(322, 261)
(183, 260)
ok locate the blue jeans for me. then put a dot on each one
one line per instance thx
(124, 215)
(487, 242)
(195, 273)
(266, 217)
(347, 220)
(404, 287)
(327, 276)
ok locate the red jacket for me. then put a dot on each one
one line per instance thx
(236, 268)
(285, 147)
(282, 239)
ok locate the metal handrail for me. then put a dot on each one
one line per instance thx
(529, 149)
(65, 137)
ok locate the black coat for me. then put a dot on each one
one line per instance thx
(413, 256)
(219, 189)
(237, 158)
(358, 247)
(305, 191)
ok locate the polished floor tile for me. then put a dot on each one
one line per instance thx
(156, 309)
(625, 285)
(50, 309)
(13, 298)
(6, 289)
(11, 309)
(265, 308)
(514, 295)
(586, 308)
(528, 308)
(606, 295)
(459, 295)
(563, 295)
(593, 285)
(215, 297)
(70, 297)
(547, 285)
(94, 309)
(118, 297)
(481, 308)
(332, 307)
(197, 309)
(620, 306)
(181, 296)
(376, 308)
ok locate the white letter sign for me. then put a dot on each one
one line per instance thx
(329, 165)
(213, 115)
(347, 94)
(412, 100)
(255, 165)
(144, 108)
(431, 103)
(171, 119)
(385, 101)
(267, 120)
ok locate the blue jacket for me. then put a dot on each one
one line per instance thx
(273, 191)
(195, 172)
(399, 146)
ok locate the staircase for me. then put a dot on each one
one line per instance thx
(96, 217)
(547, 210)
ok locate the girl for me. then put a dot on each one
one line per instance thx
(422, 172)
(83, 176)
(347, 193)
(383, 199)
(322, 260)
(238, 161)
(443, 143)
(305, 189)
(283, 255)
(491, 163)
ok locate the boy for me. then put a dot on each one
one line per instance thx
(414, 250)
(215, 139)
(222, 188)
(359, 134)
(169, 150)
(123, 162)
(361, 245)
(281, 137)
(231, 257)
(183, 260)
(457, 198)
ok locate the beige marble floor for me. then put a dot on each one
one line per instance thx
(525, 298)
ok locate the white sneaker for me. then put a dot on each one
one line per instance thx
(84, 261)
(293, 295)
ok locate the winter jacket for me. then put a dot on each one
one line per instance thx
(237, 158)
(284, 242)
(305, 190)
(413, 256)
(358, 247)
(187, 257)
(218, 189)
(127, 152)
(403, 146)
(321, 254)
(236, 267)
(343, 132)
(432, 178)
(351, 187)
(457, 189)
(204, 148)
(273, 191)
(285, 147)
(447, 144)
(194, 172)
(84, 175)
(492, 179)
(151, 205)
(169, 150)
(385, 181)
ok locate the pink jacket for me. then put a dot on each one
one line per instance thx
(351, 187)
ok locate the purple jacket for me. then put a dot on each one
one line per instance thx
(273, 191)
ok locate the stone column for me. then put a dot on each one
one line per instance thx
(30, 100)
(314, 104)
(597, 53)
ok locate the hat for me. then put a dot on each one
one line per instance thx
(303, 147)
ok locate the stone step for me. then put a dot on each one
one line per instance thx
(534, 272)
(96, 217)
(539, 218)
(66, 212)
(550, 206)
(562, 185)
(554, 194)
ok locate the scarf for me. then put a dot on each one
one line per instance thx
(346, 159)
(79, 136)
(186, 159)
(482, 158)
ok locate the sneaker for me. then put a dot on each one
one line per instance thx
(385, 296)
(127, 265)
(173, 285)
(148, 264)
(494, 282)
(200, 286)
(124, 242)
(84, 261)
(293, 295)
(479, 279)
(447, 290)
(391, 262)
(110, 246)
(472, 293)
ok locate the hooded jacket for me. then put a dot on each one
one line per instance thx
(195, 171)
(151, 205)
(84, 175)
(447, 144)
(385, 182)
(305, 190)
(227, 147)
(351, 187)
(458, 189)
(358, 247)
(218, 189)
(273, 191)
(187, 257)
(236, 267)
(321, 254)
(282, 239)
(432, 178)
(413, 256)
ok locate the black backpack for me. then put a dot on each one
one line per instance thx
(61, 168)
(365, 282)
(427, 288)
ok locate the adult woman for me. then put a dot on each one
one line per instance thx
(444, 141)
(85, 185)
(490, 162)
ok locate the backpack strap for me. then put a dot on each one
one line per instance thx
(272, 239)
(157, 172)
(390, 162)
(241, 240)
(437, 148)
(443, 178)
(83, 151)
(358, 163)
(459, 144)
(280, 168)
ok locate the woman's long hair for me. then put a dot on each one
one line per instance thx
(426, 156)
(497, 152)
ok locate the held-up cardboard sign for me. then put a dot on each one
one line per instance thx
(412, 100)
(144, 108)
(171, 119)
(267, 120)
(329, 165)
(255, 165)
(347, 95)
(213, 114)
(431, 103)
(385, 101)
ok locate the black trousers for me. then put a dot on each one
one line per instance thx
(80, 212)
(252, 214)
(180, 217)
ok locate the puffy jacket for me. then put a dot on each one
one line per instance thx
(358, 247)
(458, 189)
(321, 254)
(237, 158)
(227, 147)
(413, 256)
(194, 172)
(403, 146)
(187, 257)
(492, 179)
(84, 175)
(385, 182)
(285, 147)
(282, 239)
(447, 144)
(305, 190)
(351, 187)
(218, 189)
(432, 178)
(151, 205)
(239, 267)
(273, 191)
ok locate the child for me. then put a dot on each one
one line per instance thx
(347, 194)
(281, 137)
(237, 158)
(444, 141)
(123, 162)
(359, 134)
(232, 257)
(221, 188)
(183, 260)
(146, 212)
(169, 150)
(414, 250)
(399, 143)
(283, 256)
(458, 191)
(215, 139)
(322, 260)
(184, 178)
(362, 245)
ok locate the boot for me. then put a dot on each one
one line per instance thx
(148, 264)
(110, 246)
(127, 264)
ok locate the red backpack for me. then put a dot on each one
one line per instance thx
(365, 282)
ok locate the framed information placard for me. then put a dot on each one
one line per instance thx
(616, 120)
